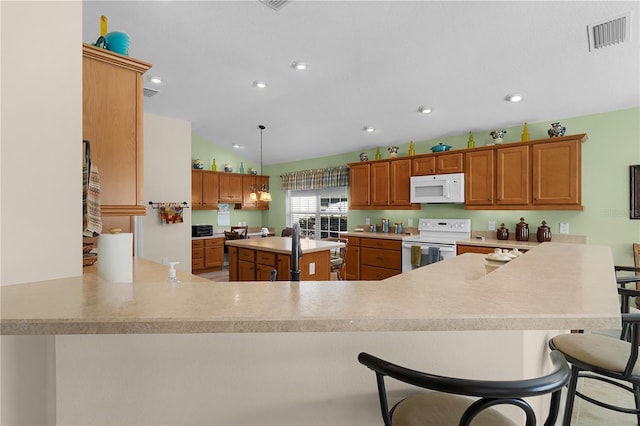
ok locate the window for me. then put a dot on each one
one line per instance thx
(321, 213)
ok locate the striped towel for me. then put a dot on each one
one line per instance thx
(91, 218)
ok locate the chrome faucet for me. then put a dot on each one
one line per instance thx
(296, 252)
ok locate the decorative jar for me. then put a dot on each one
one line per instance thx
(544, 232)
(393, 151)
(364, 156)
(502, 232)
(556, 130)
(198, 164)
(497, 135)
(522, 230)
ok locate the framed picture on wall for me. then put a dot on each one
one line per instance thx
(635, 192)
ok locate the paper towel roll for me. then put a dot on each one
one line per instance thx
(115, 257)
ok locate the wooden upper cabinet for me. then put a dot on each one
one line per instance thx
(479, 174)
(449, 163)
(423, 166)
(400, 176)
(380, 184)
(359, 185)
(210, 190)
(112, 112)
(513, 185)
(557, 173)
(196, 189)
(230, 187)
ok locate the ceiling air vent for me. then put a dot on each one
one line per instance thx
(275, 4)
(609, 32)
(149, 92)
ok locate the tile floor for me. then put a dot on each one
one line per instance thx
(584, 413)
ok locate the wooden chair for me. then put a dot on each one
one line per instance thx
(338, 258)
(286, 232)
(231, 235)
(453, 401)
(242, 231)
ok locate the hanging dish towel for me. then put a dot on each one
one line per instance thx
(433, 255)
(171, 213)
(416, 256)
(92, 220)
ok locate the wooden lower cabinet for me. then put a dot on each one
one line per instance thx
(380, 258)
(257, 265)
(207, 255)
(353, 258)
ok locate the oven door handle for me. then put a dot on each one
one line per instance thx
(426, 246)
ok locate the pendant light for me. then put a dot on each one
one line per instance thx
(263, 190)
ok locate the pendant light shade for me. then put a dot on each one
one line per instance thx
(260, 192)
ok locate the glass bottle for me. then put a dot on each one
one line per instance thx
(412, 150)
(378, 153)
(213, 165)
(241, 168)
(525, 133)
(470, 142)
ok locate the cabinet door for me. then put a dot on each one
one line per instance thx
(246, 271)
(283, 265)
(196, 189)
(400, 184)
(112, 115)
(557, 173)
(230, 187)
(213, 253)
(263, 272)
(210, 191)
(423, 166)
(353, 259)
(479, 177)
(449, 163)
(233, 263)
(380, 184)
(512, 177)
(359, 185)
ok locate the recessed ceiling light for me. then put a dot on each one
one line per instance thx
(260, 84)
(155, 79)
(425, 110)
(237, 146)
(300, 65)
(369, 129)
(514, 98)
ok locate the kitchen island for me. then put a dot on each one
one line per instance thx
(202, 352)
(255, 259)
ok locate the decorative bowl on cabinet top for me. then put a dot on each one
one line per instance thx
(440, 147)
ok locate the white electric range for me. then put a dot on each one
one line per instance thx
(437, 240)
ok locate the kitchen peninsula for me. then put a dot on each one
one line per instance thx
(255, 259)
(206, 348)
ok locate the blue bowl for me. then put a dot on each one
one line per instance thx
(440, 147)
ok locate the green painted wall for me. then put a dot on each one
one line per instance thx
(613, 145)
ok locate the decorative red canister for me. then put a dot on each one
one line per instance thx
(544, 233)
(522, 230)
(502, 233)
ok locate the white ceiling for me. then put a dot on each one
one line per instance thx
(371, 63)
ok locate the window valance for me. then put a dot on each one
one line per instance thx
(329, 177)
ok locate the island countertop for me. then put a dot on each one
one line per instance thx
(553, 286)
(283, 244)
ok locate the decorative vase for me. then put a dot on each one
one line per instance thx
(378, 153)
(497, 135)
(502, 232)
(470, 142)
(544, 233)
(412, 150)
(522, 230)
(393, 151)
(197, 164)
(525, 133)
(556, 130)
(228, 168)
(213, 165)
(364, 156)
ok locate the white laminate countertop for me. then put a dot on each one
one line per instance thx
(283, 244)
(554, 286)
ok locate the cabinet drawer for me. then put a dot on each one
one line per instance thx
(197, 253)
(197, 244)
(381, 243)
(247, 255)
(389, 259)
(375, 273)
(214, 242)
(197, 264)
(353, 241)
(266, 258)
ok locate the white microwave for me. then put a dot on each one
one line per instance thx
(445, 188)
